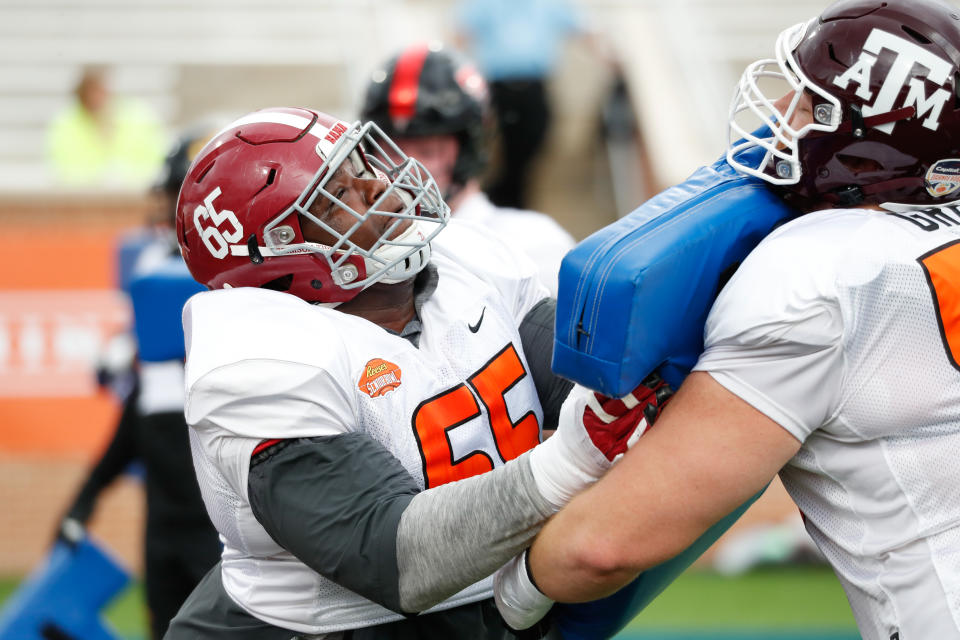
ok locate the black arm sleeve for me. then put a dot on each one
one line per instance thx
(536, 336)
(335, 503)
(119, 454)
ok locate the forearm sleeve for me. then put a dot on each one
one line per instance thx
(458, 533)
(345, 507)
(335, 503)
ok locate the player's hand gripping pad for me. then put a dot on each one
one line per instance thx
(158, 297)
(594, 431)
(634, 296)
(64, 596)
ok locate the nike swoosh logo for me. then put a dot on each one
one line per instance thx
(476, 327)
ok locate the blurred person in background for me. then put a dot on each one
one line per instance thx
(104, 140)
(180, 543)
(434, 105)
(516, 44)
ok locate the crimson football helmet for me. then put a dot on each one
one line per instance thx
(243, 199)
(885, 123)
(428, 89)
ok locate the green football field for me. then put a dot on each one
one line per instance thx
(793, 603)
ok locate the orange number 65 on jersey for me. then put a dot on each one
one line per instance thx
(942, 268)
(434, 418)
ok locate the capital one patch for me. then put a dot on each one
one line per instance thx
(943, 178)
(379, 377)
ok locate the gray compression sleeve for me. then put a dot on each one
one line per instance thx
(458, 533)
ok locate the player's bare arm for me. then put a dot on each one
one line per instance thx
(709, 452)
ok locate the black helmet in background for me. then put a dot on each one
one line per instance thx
(427, 90)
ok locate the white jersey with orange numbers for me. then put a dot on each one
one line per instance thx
(263, 364)
(844, 327)
(538, 235)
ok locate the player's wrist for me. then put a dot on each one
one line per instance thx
(568, 462)
(519, 601)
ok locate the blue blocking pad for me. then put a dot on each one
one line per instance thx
(63, 597)
(158, 297)
(634, 296)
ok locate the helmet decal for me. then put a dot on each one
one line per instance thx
(943, 178)
(406, 80)
(907, 55)
(868, 114)
(221, 229)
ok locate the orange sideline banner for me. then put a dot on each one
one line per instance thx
(58, 306)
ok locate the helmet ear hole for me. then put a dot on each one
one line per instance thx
(916, 35)
(182, 232)
(279, 284)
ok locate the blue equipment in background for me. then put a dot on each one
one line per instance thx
(63, 597)
(158, 297)
(130, 247)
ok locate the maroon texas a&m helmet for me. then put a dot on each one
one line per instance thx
(885, 125)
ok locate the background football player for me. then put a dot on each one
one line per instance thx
(434, 105)
(180, 543)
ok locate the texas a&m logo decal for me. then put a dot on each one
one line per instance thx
(901, 73)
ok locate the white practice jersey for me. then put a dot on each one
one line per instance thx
(844, 327)
(536, 234)
(263, 364)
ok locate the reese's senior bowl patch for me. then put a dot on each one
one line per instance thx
(379, 377)
(943, 177)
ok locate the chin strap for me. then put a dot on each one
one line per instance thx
(852, 195)
(858, 125)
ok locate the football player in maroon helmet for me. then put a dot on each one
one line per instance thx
(831, 356)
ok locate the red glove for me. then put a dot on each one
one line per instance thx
(615, 424)
(593, 431)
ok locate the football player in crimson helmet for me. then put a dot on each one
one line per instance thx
(357, 455)
(347, 365)
(299, 201)
(872, 117)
